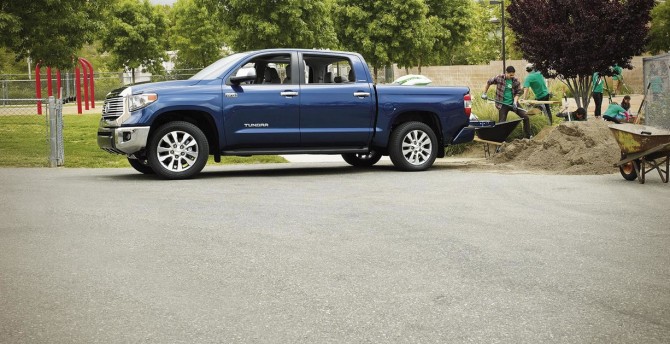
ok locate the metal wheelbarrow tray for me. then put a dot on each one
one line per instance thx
(495, 135)
(641, 146)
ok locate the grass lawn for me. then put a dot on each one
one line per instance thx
(24, 143)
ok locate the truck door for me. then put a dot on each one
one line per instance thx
(264, 112)
(335, 110)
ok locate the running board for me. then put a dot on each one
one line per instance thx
(299, 150)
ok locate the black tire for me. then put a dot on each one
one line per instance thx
(413, 146)
(628, 171)
(362, 160)
(141, 165)
(178, 150)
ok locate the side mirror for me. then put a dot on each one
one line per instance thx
(238, 79)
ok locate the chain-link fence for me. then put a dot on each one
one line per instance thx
(28, 139)
(657, 84)
(107, 81)
(23, 86)
(31, 130)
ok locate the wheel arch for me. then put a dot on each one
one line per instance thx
(201, 119)
(429, 118)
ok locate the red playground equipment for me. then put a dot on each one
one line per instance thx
(89, 85)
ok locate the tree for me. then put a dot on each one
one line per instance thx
(418, 48)
(481, 44)
(384, 31)
(405, 31)
(454, 20)
(49, 32)
(659, 35)
(9, 64)
(571, 38)
(196, 34)
(133, 36)
(273, 24)
(165, 12)
(353, 31)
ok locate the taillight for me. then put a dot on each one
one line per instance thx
(467, 103)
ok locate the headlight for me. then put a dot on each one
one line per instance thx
(138, 101)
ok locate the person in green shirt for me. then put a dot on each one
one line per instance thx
(597, 93)
(617, 79)
(508, 90)
(615, 113)
(538, 84)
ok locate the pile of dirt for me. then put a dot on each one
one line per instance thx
(569, 148)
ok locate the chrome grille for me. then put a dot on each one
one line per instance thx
(113, 108)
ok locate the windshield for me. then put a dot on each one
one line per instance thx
(217, 68)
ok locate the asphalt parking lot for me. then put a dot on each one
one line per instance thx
(324, 253)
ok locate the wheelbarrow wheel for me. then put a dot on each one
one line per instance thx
(629, 170)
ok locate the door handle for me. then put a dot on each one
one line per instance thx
(361, 94)
(289, 94)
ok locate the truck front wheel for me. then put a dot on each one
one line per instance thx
(413, 146)
(362, 160)
(141, 165)
(178, 150)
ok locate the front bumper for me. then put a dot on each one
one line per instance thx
(123, 140)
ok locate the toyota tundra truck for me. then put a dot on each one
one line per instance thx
(282, 101)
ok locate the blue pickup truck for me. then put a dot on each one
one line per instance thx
(282, 101)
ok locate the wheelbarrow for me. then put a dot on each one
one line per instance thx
(495, 135)
(643, 149)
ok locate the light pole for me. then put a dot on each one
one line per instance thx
(502, 24)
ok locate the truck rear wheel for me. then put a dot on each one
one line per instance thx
(178, 150)
(413, 146)
(362, 160)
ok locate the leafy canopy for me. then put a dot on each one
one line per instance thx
(264, 24)
(408, 32)
(454, 25)
(133, 35)
(481, 45)
(576, 38)
(196, 34)
(659, 35)
(50, 32)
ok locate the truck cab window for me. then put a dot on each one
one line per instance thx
(321, 69)
(268, 69)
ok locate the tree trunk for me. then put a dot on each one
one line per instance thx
(132, 75)
(374, 68)
(580, 87)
